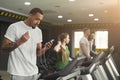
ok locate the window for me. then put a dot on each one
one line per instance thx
(77, 37)
(101, 39)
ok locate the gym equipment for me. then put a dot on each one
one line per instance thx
(107, 70)
(86, 72)
(110, 66)
(65, 73)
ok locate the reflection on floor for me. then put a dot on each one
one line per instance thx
(5, 75)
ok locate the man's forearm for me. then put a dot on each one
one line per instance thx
(9, 47)
(41, 51)
(85, 53)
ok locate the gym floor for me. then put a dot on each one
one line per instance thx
(5, 75)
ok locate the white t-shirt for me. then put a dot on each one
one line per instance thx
(86, 42)
(22, 60)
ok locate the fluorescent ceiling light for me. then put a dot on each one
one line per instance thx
(69, 20)
(96, 19)
(60, 16)
(71, 0)
(90, 15)
(27, 3)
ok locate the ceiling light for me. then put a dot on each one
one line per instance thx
(101, 2)
(90, 15)
(96, 19)
(69, 20)
(60, 16)
(105, 11)
(71, 0)
(27, 3)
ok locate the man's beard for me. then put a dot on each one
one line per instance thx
(33, 27)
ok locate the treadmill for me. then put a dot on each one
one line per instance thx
(87, 72)
(107, 70)
(110, 66)
(69, 72)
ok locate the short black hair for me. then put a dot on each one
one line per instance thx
(36, 10)
(85, 29)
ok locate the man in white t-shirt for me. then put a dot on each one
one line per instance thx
(23, 42)
(84, 45)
